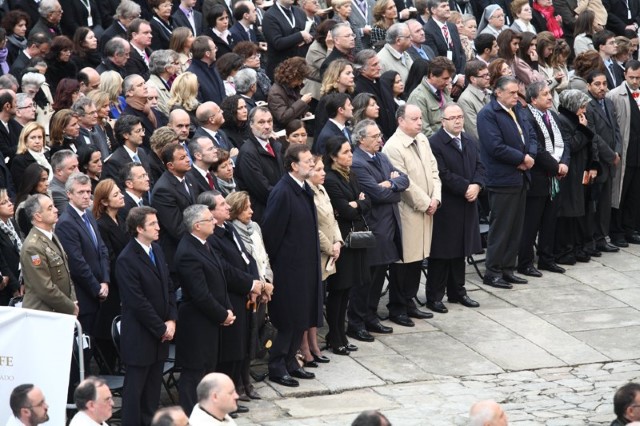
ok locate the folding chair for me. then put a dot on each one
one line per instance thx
(471, 260)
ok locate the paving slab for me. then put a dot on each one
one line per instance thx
(594, 320)
(611, 343)
(394, 368)
(630, 262)
(471, 326)
(516, 354)
(629, 296)
(604, 278)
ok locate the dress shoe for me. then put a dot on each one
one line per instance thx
(616, 241)
(320, 359)
(583, 257)
(566, 259)
(285, 381)
(592, 252)
(252, 394)
(610, 248)
(438, 307)
(244, 398)
(633, 238)
(514, 279)
(378, 327)
(233, 415)
(530, 271)
(468, 302)
(551, 267)
(351, 347)
(341, 350)
(242, 409)
(301, 373)
(402, 320)
(311, 364)
(361, 335)
(497, 282)
(418, 314)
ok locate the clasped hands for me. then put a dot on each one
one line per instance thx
(527, 163)
(262, 289)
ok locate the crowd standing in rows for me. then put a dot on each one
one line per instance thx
(156, 166)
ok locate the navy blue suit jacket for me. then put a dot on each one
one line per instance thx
(501, 147)
(240, 34)
(88, 264)
(181, 20)
(148, 300)
(210, 85)
(329, 130)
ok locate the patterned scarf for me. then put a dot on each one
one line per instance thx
(8, 229)
(553, 146)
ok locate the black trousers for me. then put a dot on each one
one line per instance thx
(539, 220)
(282, 355)
(337, 302)
(505, 228)
(378, 274)
(445, 274)
(624, 220)
(141, 393)
(187, 396)
(358, 309)
(602, 216)
(406, 277)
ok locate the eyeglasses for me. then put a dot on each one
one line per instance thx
(375, 137)
(140, 130)
(454, 118)
(487, 75)
(206, 220)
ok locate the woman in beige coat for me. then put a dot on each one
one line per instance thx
(330, 244)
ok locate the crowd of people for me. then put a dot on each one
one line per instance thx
(159, 167)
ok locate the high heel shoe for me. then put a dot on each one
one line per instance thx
(341, 350)
(320, 359)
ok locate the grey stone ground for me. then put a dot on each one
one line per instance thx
(552, 352)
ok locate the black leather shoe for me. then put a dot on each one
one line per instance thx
(592, 252)
(583, 257)
(402, 320)
(351, 347)
(418, 314)
(378, 327)
(633, 239)
(301, 373)
(285, 381)
(244, 398)
(567, 259)
(514, 279)
(468, 302)
(437, 307)
(252, 394)
(617, 241)
(497, 282)
(361, 335)
(320, 359)
(551, 267)
(242, 409)
(611, 248)
(311, 364)
(341, 350)
(233, 415)
(530, 271)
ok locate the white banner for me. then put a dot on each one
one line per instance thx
(35, 347)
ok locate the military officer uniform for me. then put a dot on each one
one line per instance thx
(47, 280)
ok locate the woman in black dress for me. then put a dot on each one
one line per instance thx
(235, 113)
(90, 163)
(85, 49)
(35, 180)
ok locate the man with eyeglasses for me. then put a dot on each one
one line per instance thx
(604, 42)
(393, 55)
(115, 56)
(475, 96)
(49, 22)
(28, 406)
(626, 404)
(94, 403)
(25, 112)
(344, 42)
(87, 114)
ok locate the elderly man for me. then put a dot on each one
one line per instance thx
(25, 112)
(418, 50)
(139, 34)
(89, 80)
(433, 94)
(383, 184)
(344, 43)
(135, 92)
(508, 146)
(393, 55)
(210, 118)
(487, 413)
(246, 81)
(456, 231)
(87, 114)
(28, 406)
(115, 56)
(217, 397)
(64, 163)
(409, 152)
(94, 403)
(126, 12)
(50, 15)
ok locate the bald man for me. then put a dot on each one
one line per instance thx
(89, 80)
(210, 119)
(217, 397)
(487, 413)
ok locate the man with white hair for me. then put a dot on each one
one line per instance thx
(246, 82)
(393, 55)
(217, 397)
(487, 413)
(50, 15)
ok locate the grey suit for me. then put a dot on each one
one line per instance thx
(59, 195)
(472, 100)
(359, 20)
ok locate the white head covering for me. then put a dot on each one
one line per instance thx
(488, 12)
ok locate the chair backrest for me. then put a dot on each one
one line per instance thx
(16, 301)
(115, 332)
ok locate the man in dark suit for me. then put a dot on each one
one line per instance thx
(136, 187)
(508, 147)
(116, 52)
(77, 15)
(135, 92)
(204, 154)
(8, 136)
(149, 316)
(259, 164)
(210, 85)
(291, 240)
(64, 163)
(383, 184)
(442, 36)
(88, 255)
(418, 49)
(344, 43)
(126, 12)
(87, 114)
(49, 20)
(173, 193)
(139, 34)
(244, 12)
(602, 122)
(38, 44)
(464, 7)
(186, 16)
(623, 15)
(10, 246)
(604, 42)
(552, 161)
(283, 28)
(339, 110)
(210, 118)
(130, 135)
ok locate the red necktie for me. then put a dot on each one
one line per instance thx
(270, 149)
(210, 180)
(445, 32)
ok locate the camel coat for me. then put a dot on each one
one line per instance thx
(620, 98)
(419, 163)
(328, 229)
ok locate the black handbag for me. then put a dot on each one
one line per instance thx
(360, 239)
(263, 332)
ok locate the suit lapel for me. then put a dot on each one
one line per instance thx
(83, 226)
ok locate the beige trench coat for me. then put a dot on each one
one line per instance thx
(328, 229)
(620, 98)
(418, 162)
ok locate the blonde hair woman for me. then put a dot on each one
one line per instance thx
(385, 14)
(111, 83)
(184, 92)
(31, 149)
(105, 124)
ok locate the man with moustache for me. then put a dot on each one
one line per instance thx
(28, 406)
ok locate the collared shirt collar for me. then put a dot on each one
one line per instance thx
(202, 172)
(48, 234)
(298, 181)
(134, 197)
(203, 242)
(80, 212)
(129, 152)
(340, 126)
(145, 247)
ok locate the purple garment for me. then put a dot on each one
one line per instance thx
(3, 61)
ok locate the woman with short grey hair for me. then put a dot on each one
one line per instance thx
(164, 66)
(35, 85)
(574, 206)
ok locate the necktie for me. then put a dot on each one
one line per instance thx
(445, 33)
(422, 53)
(362, 4)
(613, 74)
(288, 13)
(376, 159)
(604, 108)
(345, 132)
(186, 186)
(439, 95)
(458, 143)
(513, 115)
(210, 180)
(152, 257)
(136, 158)
(270, 149)
(140, 203)
(87, 223)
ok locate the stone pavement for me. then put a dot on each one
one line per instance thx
(552, 352)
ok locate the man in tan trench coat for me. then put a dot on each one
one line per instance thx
(409, 152)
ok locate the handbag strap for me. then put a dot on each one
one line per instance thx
(366, 226)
